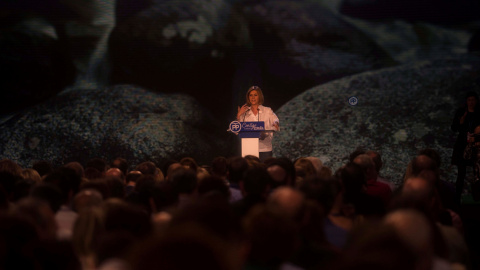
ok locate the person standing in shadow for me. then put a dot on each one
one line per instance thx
(464, 122)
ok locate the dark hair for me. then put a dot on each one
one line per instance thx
(213, 184)
(143, 192)
(124, 216)
(289, 168)
(92, 173)
(352, 178)
(204, 248)
(251, 159)
(77, 167)
(356, 153)
(167, 164)
(374, 245)
(43, 167)
(121, 164)
(219, 166)
(420, 163)
(377, 159)
(433, 154)
(272, 236)
(256, 181)
(422, 204)
(16, 233)
(163, 195)
(50, 193)
(190, 163)
(184, 180)
(116, 186)
(321, 190)
(98, 163)
(147, 167)
(471, 94)
(132, 177)
(99, 185)
(66, 179)
(22, 188)
(8, 181)
(237, 166)
(10, 166)
(115, 244)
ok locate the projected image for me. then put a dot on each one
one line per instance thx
(161, 80)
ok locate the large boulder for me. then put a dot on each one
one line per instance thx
(121, 121)
(400, 110)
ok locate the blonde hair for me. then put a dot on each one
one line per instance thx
(306, 166)
(260, 95)
(89, 225)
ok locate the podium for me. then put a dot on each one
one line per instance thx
(249, 132)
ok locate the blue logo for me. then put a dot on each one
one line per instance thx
(235, 126)
(353, 101)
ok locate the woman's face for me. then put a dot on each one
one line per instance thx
(253, 97)
(471, 102)
(477, 130)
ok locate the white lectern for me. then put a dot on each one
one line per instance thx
(250, 147)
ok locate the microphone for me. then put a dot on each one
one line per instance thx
(245, 114)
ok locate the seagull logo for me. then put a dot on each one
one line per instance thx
(353, 101)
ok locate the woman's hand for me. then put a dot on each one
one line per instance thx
(470, 138)
(242, 110)
(276, 125)
(263, 135)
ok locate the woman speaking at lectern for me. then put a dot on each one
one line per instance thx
(253, 111)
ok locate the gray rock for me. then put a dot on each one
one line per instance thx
(400, 110)
(121, 121)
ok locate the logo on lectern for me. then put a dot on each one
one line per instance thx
(235, 126)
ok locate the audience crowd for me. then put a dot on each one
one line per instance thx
(234, 213)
